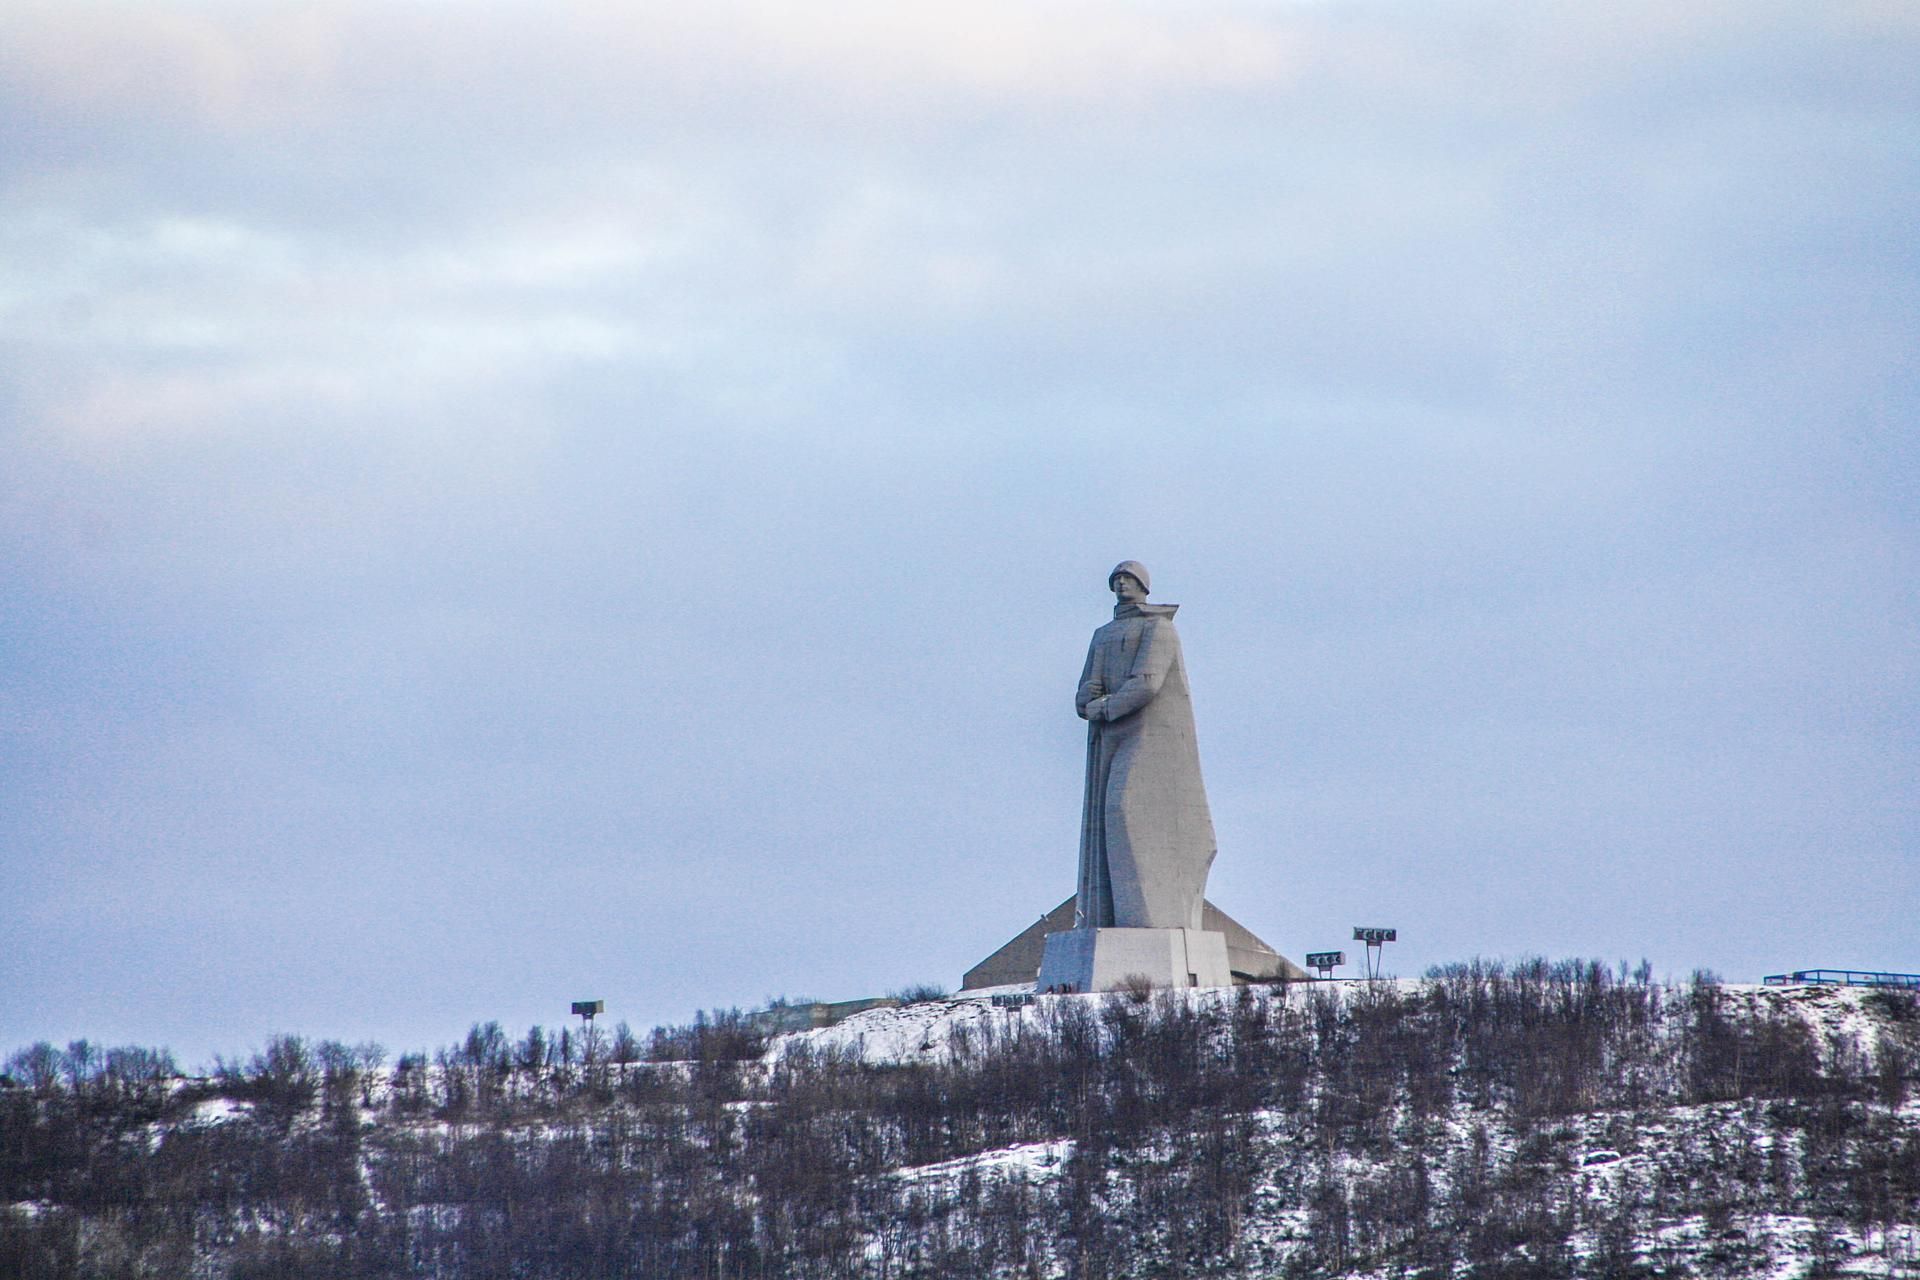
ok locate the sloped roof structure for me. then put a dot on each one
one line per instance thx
(1019, 960)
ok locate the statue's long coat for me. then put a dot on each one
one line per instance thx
(1146, 836)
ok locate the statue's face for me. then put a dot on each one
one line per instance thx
(1128, 588)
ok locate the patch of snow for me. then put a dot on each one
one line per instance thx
(943, 1030)
(218, 1111)
(928, 1031)
(1033, 1161)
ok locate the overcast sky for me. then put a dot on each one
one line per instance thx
(506, 503)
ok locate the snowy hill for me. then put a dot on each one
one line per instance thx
(1599, 1167)
(1548, 1121)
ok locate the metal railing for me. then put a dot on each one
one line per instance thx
(1844, 978)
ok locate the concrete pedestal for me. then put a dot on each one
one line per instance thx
(1103, 959)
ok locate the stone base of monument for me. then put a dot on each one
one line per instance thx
(1105, 959)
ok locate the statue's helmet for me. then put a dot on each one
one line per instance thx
(1133, 567)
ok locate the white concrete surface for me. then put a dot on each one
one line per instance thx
(1105, 959)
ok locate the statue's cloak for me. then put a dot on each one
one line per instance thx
(1146, 835)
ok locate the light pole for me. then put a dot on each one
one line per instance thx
(1375, 940)
(1325, 962)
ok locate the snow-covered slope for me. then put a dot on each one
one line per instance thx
(932, 1030)
(1597, 1171)
(1546, 1122)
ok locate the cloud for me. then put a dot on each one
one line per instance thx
(751, 199)
(241, 69)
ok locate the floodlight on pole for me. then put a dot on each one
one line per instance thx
(1375, 938)
(1326, 962)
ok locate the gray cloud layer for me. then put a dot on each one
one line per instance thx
(514, 502)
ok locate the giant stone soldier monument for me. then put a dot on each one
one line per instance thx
(1146, 835)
